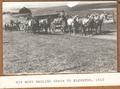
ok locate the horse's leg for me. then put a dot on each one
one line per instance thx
(74, 31)
(96, 28)
(54, 28)
(45, 29)
(17, 28)
(41, 29)
(35, 29)
(100, 28)
(84, 31)
(89, 32)
(87, 29)
(64, 29)
(51, 29)
(92, 32)
(70, 29)
(48, 29)
(28, 29)
(32, 29)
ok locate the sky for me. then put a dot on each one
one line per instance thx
(17, 5)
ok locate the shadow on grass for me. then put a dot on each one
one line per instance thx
(106, 33)
(46, 33)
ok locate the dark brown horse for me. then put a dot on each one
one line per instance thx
(98, 22)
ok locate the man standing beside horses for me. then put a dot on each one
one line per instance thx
(64, 18)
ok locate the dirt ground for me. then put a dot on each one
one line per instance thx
(59, 53)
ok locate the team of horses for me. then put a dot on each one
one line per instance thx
(88, 25)
(91, 24)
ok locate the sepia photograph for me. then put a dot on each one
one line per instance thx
(63, 37)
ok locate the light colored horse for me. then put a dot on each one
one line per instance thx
(86, 25)
(44, 25)
(93, 23)
(70, 23)
(28, 25)
(58, 23)
(73, 24)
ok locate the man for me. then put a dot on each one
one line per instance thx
(11, 22)
(64, 18)
(18, 25)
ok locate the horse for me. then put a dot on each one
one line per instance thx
(18, 25)
(8, 27)
(27, 26)
(98, 22)
(32, 25)
(73, 24)
(91, 23)
(12, 26)
(86, 25)
(58, 23)
(44, 25)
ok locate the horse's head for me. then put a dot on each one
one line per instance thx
(102, 16)
(75, 19)
(85, 21)
(96, 17)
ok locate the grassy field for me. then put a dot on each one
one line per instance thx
(60, 53)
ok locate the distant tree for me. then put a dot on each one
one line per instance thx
(25, 10)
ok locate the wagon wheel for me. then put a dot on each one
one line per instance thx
(21, 26)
